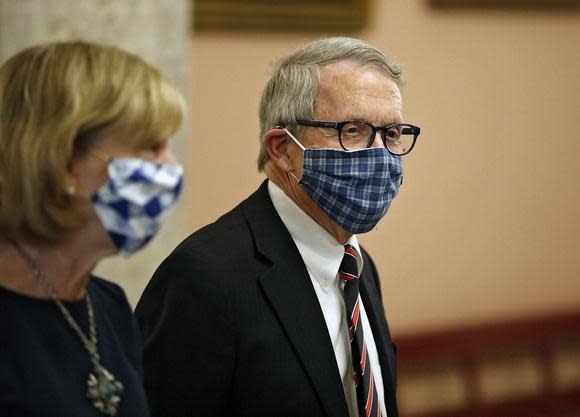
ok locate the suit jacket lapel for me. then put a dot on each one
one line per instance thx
(289, 289)
(375, 315)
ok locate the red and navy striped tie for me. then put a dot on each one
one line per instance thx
(366, 392)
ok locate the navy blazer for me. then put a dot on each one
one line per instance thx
(233, 327)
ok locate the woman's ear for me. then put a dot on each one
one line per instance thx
(276, 144)
(84, 173)
(70, 182)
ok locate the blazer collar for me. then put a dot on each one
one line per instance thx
(288, 287)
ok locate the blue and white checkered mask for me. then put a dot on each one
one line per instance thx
(354, 188)
(134, 201)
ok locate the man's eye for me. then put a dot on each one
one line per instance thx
(393, 133)
(353, 129)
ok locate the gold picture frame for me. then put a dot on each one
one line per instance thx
(280, 15)
(542, 4)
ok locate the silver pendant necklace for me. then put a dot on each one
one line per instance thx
(102, 388)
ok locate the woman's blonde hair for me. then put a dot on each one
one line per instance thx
(290, 94)
(55, 101)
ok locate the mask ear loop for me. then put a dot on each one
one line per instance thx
(297, 143)
(291, 137)
(294, 176)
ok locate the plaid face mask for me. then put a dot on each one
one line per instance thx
(354, 188)
(136, 198)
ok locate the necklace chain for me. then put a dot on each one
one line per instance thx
(104, 389)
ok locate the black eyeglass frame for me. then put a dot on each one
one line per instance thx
(416, 130)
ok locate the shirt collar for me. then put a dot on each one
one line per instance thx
(321, 253)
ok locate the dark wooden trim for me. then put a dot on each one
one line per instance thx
(468, 348)
(522, 407)
(508, 4)
(281, 16)
(460, 344)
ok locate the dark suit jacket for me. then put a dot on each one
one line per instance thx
(233, 327)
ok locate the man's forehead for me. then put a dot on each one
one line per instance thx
(339, 70)
(348, 76)
(350, 90)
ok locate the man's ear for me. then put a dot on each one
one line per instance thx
(276, 144)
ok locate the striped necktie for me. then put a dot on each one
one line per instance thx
(366, 392)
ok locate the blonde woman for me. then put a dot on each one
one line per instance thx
(84, 173)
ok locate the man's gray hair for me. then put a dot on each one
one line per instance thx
(290, 93)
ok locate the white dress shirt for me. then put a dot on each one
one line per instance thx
(322, 255)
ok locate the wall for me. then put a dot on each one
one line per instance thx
(486, 225)
(158, 31)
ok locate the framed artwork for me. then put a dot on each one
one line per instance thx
(508, 3)
(280, 15)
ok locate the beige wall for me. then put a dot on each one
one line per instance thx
(487, 223)
(157, 31)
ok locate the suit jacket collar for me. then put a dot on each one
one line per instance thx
(288, 288)
(320, 251)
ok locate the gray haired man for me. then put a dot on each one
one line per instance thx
(275, 310)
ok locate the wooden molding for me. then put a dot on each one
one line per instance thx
(280, 15)
(513, 4)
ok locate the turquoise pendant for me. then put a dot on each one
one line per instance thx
(104, 391)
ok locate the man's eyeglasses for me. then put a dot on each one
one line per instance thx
(398, 138)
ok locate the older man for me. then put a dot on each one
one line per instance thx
(275, 309)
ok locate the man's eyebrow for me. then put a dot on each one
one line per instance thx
(384, 122)
(393, 121)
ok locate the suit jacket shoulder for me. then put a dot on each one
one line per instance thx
(233, 327)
